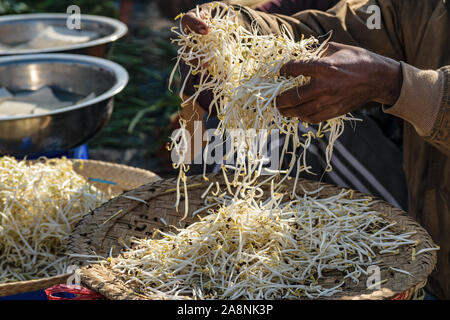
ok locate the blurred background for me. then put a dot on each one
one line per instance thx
(145, 111)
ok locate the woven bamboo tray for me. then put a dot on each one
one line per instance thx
(117, 179)
(122, 218)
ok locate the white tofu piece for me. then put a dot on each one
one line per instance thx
(5, 94)
(51, 107)
(51, 37)
(57, 37)
(68, 35)
(43, 95)
(90, 96)
(43, 101)
(15, 108)
(4, 47)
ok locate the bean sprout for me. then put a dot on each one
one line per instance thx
(40, 203)
(273, 250)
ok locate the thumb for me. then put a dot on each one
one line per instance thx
(333, 47)
(193, 23)
(306, 68)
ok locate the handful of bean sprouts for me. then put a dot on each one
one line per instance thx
(40, 203)
(254, 245)
(241, 68)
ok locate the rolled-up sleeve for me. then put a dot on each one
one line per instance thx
(424, 102)
(440, 133)
(420, 98)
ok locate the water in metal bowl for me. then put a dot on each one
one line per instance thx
(85, 85)
(48, 32)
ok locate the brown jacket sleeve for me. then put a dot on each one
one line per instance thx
(439, 136)
(425, 103)
(289, 7)
(346, 20)
(424, 99)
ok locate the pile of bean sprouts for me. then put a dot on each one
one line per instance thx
(268, 250)
(40, 203)
(255, 245)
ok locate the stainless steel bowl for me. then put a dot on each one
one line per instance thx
(16, 29)
(64, 128)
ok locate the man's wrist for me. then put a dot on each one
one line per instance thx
(391, 83)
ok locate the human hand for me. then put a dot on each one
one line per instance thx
(343, 80)
(194, 21)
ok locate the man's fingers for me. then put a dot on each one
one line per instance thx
(313, 112)
(307, 68)
(312, 67)
(302, 111)
(331, 48)
(289, 112)
(191, 22)
(298, 95)
(326, 113)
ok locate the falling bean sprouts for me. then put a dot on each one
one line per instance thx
(241, 68)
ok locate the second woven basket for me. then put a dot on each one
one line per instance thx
(108, 177)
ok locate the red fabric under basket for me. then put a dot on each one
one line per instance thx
(80, 293)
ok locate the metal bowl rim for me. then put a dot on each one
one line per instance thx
(120, 73)
(120, 30)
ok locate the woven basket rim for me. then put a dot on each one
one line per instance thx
(16, 287)
(110, 285)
